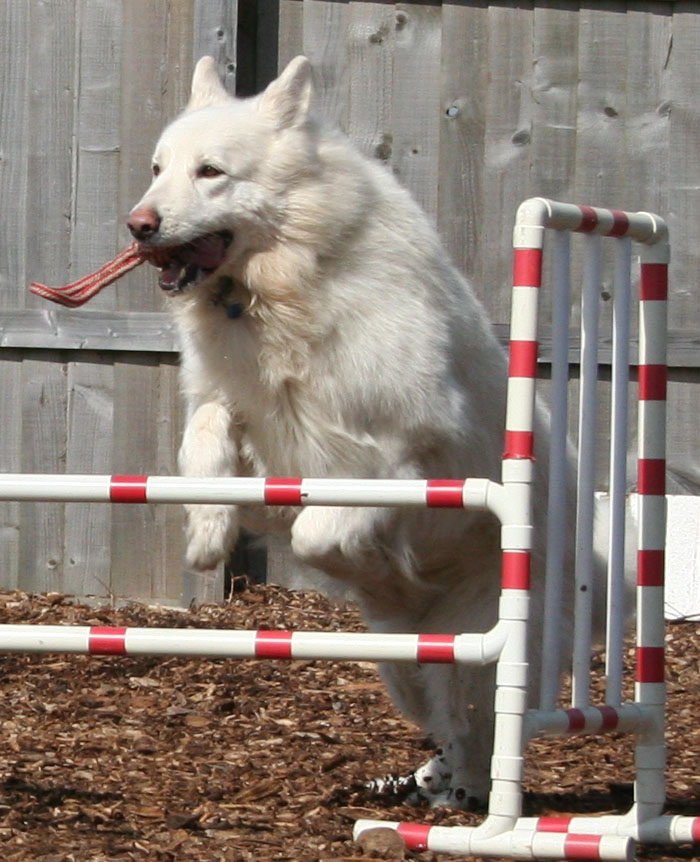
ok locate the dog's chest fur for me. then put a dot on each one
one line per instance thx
(283, 394)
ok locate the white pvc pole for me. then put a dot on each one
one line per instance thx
(452, 493)
(618, 473)
(556, 511)
(583, 600)
(479, 649)
(529, 839)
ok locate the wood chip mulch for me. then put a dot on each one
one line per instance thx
(139, 758)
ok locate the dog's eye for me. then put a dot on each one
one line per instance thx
(208, 172)
(156, 170)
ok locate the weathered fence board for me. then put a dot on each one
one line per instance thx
(462, 124)
(86, 330)
(14, 110)
(86, 559)
(88, 86)
(507, 175)
(10, 460)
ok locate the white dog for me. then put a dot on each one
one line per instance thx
(325, 332)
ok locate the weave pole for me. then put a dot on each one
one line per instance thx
(504, 832)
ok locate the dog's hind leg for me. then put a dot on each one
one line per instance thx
(209, 449)
(455, 707)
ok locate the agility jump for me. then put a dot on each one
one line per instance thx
(504, 832)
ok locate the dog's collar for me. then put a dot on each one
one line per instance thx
(234, 310)
(224, 295)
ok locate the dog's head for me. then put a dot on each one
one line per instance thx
(221, 172)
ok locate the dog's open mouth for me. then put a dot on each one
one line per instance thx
(184, 266)
(180, 266)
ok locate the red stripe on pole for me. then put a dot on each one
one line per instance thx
(436, 649)
(582, 847)
(610, 717)
(515, 570)
(650, 664)
(653, 281)
(620, 223)
(519, 445)
(589, 220)
(650, 568)
(273, 644)
(553, 824)
(415, 835)
(577, 720)
(527, 267)
(107, 640)
(651, 476)
(283, 492)
(652, 382)
(695, 830)
(445, 493)
(128, 489)
(523, 359)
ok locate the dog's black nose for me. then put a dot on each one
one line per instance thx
(143, 223)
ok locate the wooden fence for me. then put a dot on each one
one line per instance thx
(474, 105)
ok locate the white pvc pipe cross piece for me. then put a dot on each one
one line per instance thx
(271, 644)
(281, 491)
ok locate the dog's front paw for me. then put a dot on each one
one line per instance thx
(211, 534)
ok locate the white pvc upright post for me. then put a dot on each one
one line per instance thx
(650, 686)
(618, 472)
(583, 600)
(557, 527)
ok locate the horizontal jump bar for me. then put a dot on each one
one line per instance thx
(478, 649)
(434, 493)
(643, 227)
(530, 838)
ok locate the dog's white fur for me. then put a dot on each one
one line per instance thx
(361, 352)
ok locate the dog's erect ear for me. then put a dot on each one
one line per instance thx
(288, 98)
(207, 88)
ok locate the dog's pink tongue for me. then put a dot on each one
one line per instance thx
(209, 251)
(170, 275)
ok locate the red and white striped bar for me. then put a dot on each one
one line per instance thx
(577, 836)
(651, 478)
(522, 366)
(530, 838)
(432, 493)
(626, 718)
(505, 797)
(650, 687)
(270, 644)
(540, 214)
(667, 829)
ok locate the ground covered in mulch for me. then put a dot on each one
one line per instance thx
(129, 758)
